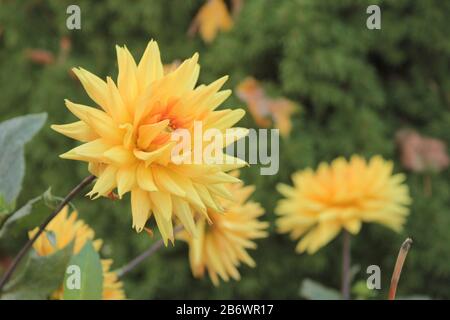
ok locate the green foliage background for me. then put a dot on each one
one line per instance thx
(357, 87)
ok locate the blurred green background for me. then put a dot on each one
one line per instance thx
(357, 88)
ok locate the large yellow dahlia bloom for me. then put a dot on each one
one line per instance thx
(127, 142)
(222, 245)
(66, 228)
(341, 196)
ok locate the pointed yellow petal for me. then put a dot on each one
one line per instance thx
(185, 76)
(234, 134)
(196, 253)
(150, 67)
(144, 178)
(140, 208)
(218, 98)
(127, 81)
(231, 163)
(150, 157)
(149, 132)
(219, 177)
(119, 156)
(221, 191)
(194, 170)
(205, 196)
(77, 130)
(228, 120)
(182, 210)
(128, 136)
(97, 120)
(162, 209)
(191, 194)
(214, 258)
(353, 226)
(167, 181)
(164, 226)
(91, 151)
(105, 183)
(94, 86)
(162, 204)
(96, 168)
(116, 106)
(126, 179)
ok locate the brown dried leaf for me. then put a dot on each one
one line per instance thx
(265, 109)
(420, 153)
(40, 56)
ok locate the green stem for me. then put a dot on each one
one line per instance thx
(346, 260)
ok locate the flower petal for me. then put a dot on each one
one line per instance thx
(126, 179)
(150, 67)
(77, 130)
(95, 87)
(145, 179)
(140, 208)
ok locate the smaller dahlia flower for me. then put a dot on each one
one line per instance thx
(339, 196)
(222, 244)
(212, 18)
(66, 228)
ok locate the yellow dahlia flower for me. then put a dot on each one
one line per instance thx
(212, 17)
(222, 245)
(66, 228)
(341, 195)
(127, 143)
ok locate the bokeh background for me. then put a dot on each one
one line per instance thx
(357, 88)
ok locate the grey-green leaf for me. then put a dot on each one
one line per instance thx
(23, 220)
(315, 291)
(84, 277)
(14, 133)
(5, 209)
(40, 276)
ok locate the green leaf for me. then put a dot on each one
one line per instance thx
(29, 216)
(40, 276)
(5, 209)
(14, 133)
(22, 219)
(85, 281)
(361, 291)
(315, 291)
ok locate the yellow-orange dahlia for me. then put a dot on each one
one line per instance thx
(341, 195)
(66, 228)
(212, 17)
(221, 246)
(128, 144)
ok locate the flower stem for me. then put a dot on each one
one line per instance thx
(427, 186)
(144, 255)
(345, 289)
(398, 267)
(15, 263)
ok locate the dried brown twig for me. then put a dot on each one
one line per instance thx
(398, 267)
